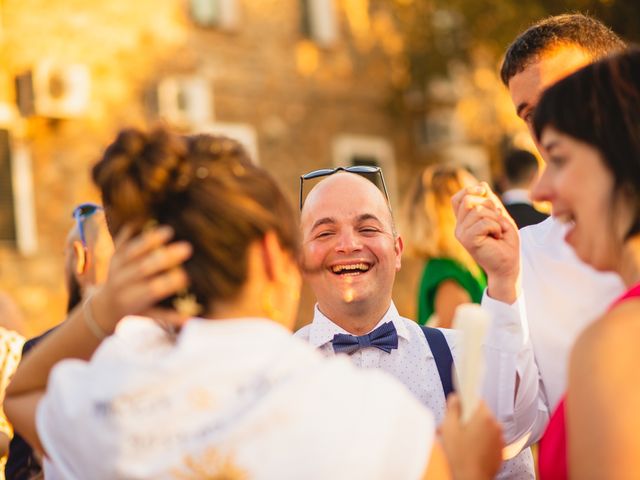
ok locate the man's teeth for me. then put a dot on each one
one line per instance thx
(353, 268)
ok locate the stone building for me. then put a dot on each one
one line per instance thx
(303, 84)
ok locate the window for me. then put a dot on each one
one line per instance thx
(474, 158)
(367, 150)
(438, 128)
(7, 215)
(319, 21)
(243, 133)
(17, 217)
(222, 14)
(185, 100)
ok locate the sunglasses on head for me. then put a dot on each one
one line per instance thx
(80, 214)
(374, 174)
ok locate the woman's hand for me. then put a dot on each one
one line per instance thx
(473, 449)
(144, 270)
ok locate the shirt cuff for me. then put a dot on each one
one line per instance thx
(508, 330)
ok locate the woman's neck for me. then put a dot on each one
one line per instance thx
(231, 310)
(629, 267)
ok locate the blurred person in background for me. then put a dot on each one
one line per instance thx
(12, 317)
(213, 385)
(520, 173)
(88, 250)
(11, 342)
(10, 351)
(450, 276)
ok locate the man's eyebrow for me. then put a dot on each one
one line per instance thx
(323, 221)
(367, 216)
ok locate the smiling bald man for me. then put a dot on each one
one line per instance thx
(351, 254)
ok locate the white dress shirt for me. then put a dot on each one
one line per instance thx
(412, 363)
(560, 296)
(516, 195)
(230, 396)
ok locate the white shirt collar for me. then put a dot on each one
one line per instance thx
(322, 329)
(516, 195)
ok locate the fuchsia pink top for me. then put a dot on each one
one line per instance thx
(552, 459)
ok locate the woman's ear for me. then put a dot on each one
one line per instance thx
(79, 258)
(272, 256)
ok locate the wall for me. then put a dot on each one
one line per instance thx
(264, 73)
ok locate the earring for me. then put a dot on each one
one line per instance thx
(150, 225)
(81, 257)
(186, 304)
(268, 306)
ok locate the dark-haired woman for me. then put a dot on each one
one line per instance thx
(231, 394)
(589, 125)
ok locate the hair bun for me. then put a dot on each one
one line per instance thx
(139, 172)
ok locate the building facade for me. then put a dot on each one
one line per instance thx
(303, 84)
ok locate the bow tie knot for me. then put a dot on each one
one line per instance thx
(384, 338)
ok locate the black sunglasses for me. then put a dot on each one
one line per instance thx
(368, 172)
(80, 214)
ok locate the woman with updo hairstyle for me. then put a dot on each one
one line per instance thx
(202, 377)
(589, 127)
(210, 193)
(450, 276)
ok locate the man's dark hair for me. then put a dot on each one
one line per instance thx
(518, 166)
(577, 29)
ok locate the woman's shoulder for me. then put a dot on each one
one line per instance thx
(618, 325)
(609, 346)
(443, 263)
(440, 268)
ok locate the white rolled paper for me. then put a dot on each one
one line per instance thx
(473, 322)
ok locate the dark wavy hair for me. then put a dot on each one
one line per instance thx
(577, 29)
(600, 105)
(208, 190)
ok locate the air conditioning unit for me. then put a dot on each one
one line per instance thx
(60, 90)
(185, 101)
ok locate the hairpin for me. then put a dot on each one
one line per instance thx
(202, 172)
(149, 225)
(185, 304)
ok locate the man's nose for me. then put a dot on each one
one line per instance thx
(541, 190)
(348, 241)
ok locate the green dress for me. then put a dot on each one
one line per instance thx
(438, 270)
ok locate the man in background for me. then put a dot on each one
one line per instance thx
(520, 173)
(88, 250)
(559, 295)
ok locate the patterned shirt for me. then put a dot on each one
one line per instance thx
(10, 352)
(412, 363)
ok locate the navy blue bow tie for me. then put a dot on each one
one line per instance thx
(384, 337)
